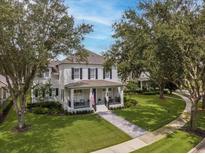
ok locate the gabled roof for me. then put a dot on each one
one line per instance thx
(92, 58)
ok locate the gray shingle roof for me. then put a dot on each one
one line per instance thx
(92, 58)
(93, 83)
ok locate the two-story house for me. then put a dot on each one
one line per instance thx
(82, 85)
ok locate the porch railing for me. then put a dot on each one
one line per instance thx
(113, 101)
(81, 104)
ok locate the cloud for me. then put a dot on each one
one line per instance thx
(101, 14)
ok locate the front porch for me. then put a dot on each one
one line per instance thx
(79, 98)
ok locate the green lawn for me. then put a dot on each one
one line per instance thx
(78, 133)
(201, 120)
(178, 142)
(151, 112)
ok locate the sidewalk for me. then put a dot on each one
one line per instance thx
(200, 148)
(151, 137)
(130, 129)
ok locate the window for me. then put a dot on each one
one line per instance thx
(107, 74)
(46, 73)
(76, 73)
(36, 93)
(92, 73)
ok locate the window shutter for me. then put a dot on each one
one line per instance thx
(50, 92)
(111, 73)
(103, 73)
(72, 74)
(96, 73)
(81, 73)
(56, 91)
(89, 73)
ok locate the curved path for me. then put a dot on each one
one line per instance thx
(200, 148)
(151, 137)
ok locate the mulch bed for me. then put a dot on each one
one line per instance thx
(21, 130)
(198, 132)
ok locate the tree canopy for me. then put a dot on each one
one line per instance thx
(31, 34)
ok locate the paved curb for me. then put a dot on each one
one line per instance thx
(197, 147)
(154, 136)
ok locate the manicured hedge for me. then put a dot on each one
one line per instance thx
(51, 107)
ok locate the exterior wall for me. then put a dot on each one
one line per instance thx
(66, 72)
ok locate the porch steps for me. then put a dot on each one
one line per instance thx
(101, 108)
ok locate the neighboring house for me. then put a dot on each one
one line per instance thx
(82, 85)
(143, 80)
(3, 89)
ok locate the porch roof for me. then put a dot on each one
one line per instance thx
(92, 84)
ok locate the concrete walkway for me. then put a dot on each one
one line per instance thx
(130, 129)
(200, 148)
(151, 137)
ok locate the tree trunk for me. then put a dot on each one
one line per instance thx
(193, 121)
(203, 101)
(21, 120)
(161, 91)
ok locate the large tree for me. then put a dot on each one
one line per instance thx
(32, 33)
(143, 43)
(165, 38)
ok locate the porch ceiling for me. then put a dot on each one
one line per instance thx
(93, 83)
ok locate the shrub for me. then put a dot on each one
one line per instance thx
(40, 110)
(129, 102)
(82, 112)
(46, 108)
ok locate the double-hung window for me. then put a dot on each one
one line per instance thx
(107, 74)
(92, 73)
(76, 73)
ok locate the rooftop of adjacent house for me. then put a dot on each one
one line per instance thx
(93, 83)
(91, 58)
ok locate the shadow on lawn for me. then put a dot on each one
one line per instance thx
(45, 134)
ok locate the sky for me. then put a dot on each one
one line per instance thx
(101, 14)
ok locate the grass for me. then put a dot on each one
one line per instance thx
(151, 112)
(201, 120)
(78, 133)
(178, 142)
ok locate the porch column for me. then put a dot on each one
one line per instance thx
(90, 95)
(106, 97)
(121, 94)
(141, 85)
(72, 98)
